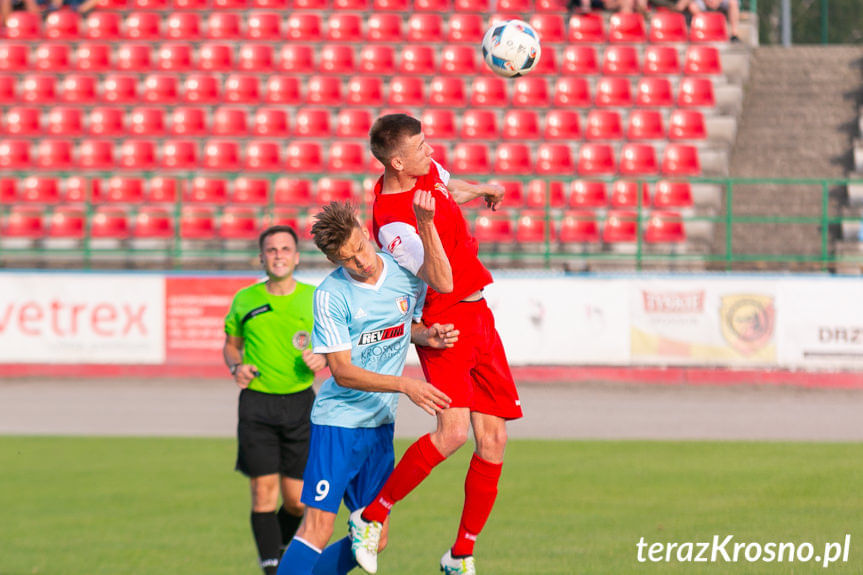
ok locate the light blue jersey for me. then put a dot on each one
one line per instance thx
(374, 322)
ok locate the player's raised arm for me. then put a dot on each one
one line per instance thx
(463, 192)
(346, 374)
(435, 269)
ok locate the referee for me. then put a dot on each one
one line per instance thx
(267, 349)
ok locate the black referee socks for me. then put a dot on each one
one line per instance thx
(265, 527)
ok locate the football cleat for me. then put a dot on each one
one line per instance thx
(365, 536)
(457, 565)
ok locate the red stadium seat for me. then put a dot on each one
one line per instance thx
(624, 194)
(355, 123)
(312, 123)
(580, 60)
(417, 59)
(224, 26)
(344, 27)
(465, 27)
(512, 158)
(134, 58)
(21, 25)
(250, 191)
(554, 159)
(304, 156)
(515, 5)
(67, 222)
(78, 89)
(143, 26)
(8, 191)
(425, 27)
(62, 25)
(654, 91)
(379, 59)
(673, 194)
(439, 124)
(702, 60)
(406, 91)
(180, 155)
(304, 27)
(695, 92)
(613, 91)
(52, 57)
(471, 159)
(347, 157)
(7, 89)
(153, 223)
(150, 5)
(459, 59)
(384, 27)
(105, 121)
(596, 159)
(188, 121)
(160, 89)
(183, 26)
(638, 159)
(355, 5)
(121, 190)
(93, 57)
(365, 91)
(239, 223)
(433, 5)
(96, 154)
(547, 65)
(272, 4)
(603, 124)
(14, 154)
(271, 122)
(23, 223)
(161, 190)
(447, 91)
(206, 191)
(532, 228)
(65, 121)
(310, 4)
(488, 92)
(242, 89)
(521, 125)
(587, 194)
(324, 90)
(667, 27)
(37, 190)
(77, 189)
(530, 92)
(255, 58)
(39, 89)
(283, 90)
(336, 59)
(120, 89)
(571, 92)
(579, 228)
(216, 57)
(264, 26)
(680, 160)
(621, 226)
(550, 6)
(14, 57)
(708, 27)
(391, 5)
(513, 191)
(493, 229)
(620, 60)
(263, 156)
(645, 124)
(229, 4)
(201, 89)
(687, 125)
(587, 28)
(542, 194)
(550, 27)
(293, 192)
(661, 61)
(471, 5)
(229, 121)
(221, 155)
(197, 223)
(664, 227)
(24, 121)
(627, 27)
(562, 125)
(334, 190)
(147, 121)
(138, 155)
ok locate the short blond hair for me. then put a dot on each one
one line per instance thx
(333, 226)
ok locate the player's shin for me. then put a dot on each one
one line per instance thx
(300, 558)
(480, 491)
(265, 528)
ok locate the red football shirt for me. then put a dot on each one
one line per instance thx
(390, 213)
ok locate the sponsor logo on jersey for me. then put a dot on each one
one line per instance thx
(394, 244)
(403, 303)
(379, 335)
(380, 354)
(361, 313)
(442, 189)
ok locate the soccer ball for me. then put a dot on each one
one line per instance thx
(511, 48)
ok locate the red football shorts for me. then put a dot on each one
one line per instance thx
(474, 373)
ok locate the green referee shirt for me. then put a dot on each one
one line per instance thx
(276, 330)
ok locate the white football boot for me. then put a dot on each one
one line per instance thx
(457, 565)
(365, 536)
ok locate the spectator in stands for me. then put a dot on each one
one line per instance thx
(79, 6)
(676, 5)
(731, 9)
(9, 6)
(583, 6)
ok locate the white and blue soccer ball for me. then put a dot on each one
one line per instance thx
(511, 48)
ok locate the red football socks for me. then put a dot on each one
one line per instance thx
(415, 465)
(480, 491)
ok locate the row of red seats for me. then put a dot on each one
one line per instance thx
(284, 191)
(203, 223)
(343, 157)
(319, 122)
(360, 5)
(412, 91)
(380, 60)
(356, 27)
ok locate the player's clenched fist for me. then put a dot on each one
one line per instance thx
(244, 374)
(424, 206)
(492, 194)
(426, 396)
(314, 361)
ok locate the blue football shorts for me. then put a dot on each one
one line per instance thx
(347, 463)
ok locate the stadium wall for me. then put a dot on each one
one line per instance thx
(701, 328)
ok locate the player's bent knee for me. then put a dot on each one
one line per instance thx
(294, 507)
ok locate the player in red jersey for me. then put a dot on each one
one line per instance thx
(474, 373)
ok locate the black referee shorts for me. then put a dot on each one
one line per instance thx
(273, 433)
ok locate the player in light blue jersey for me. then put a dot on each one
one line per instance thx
(367, 312)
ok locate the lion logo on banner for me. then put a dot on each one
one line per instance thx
(748, 322)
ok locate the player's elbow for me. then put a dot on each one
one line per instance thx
(443, 286)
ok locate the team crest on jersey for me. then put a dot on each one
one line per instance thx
(301, 340)
(442, 189)
(403, 303)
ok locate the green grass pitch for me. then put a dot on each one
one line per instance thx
(99, 506)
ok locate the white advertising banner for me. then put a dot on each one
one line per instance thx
(703, 321)
(82, 318)
(823, 325)
(560, 321)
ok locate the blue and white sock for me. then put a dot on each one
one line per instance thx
(299, 559)
(337, 559)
